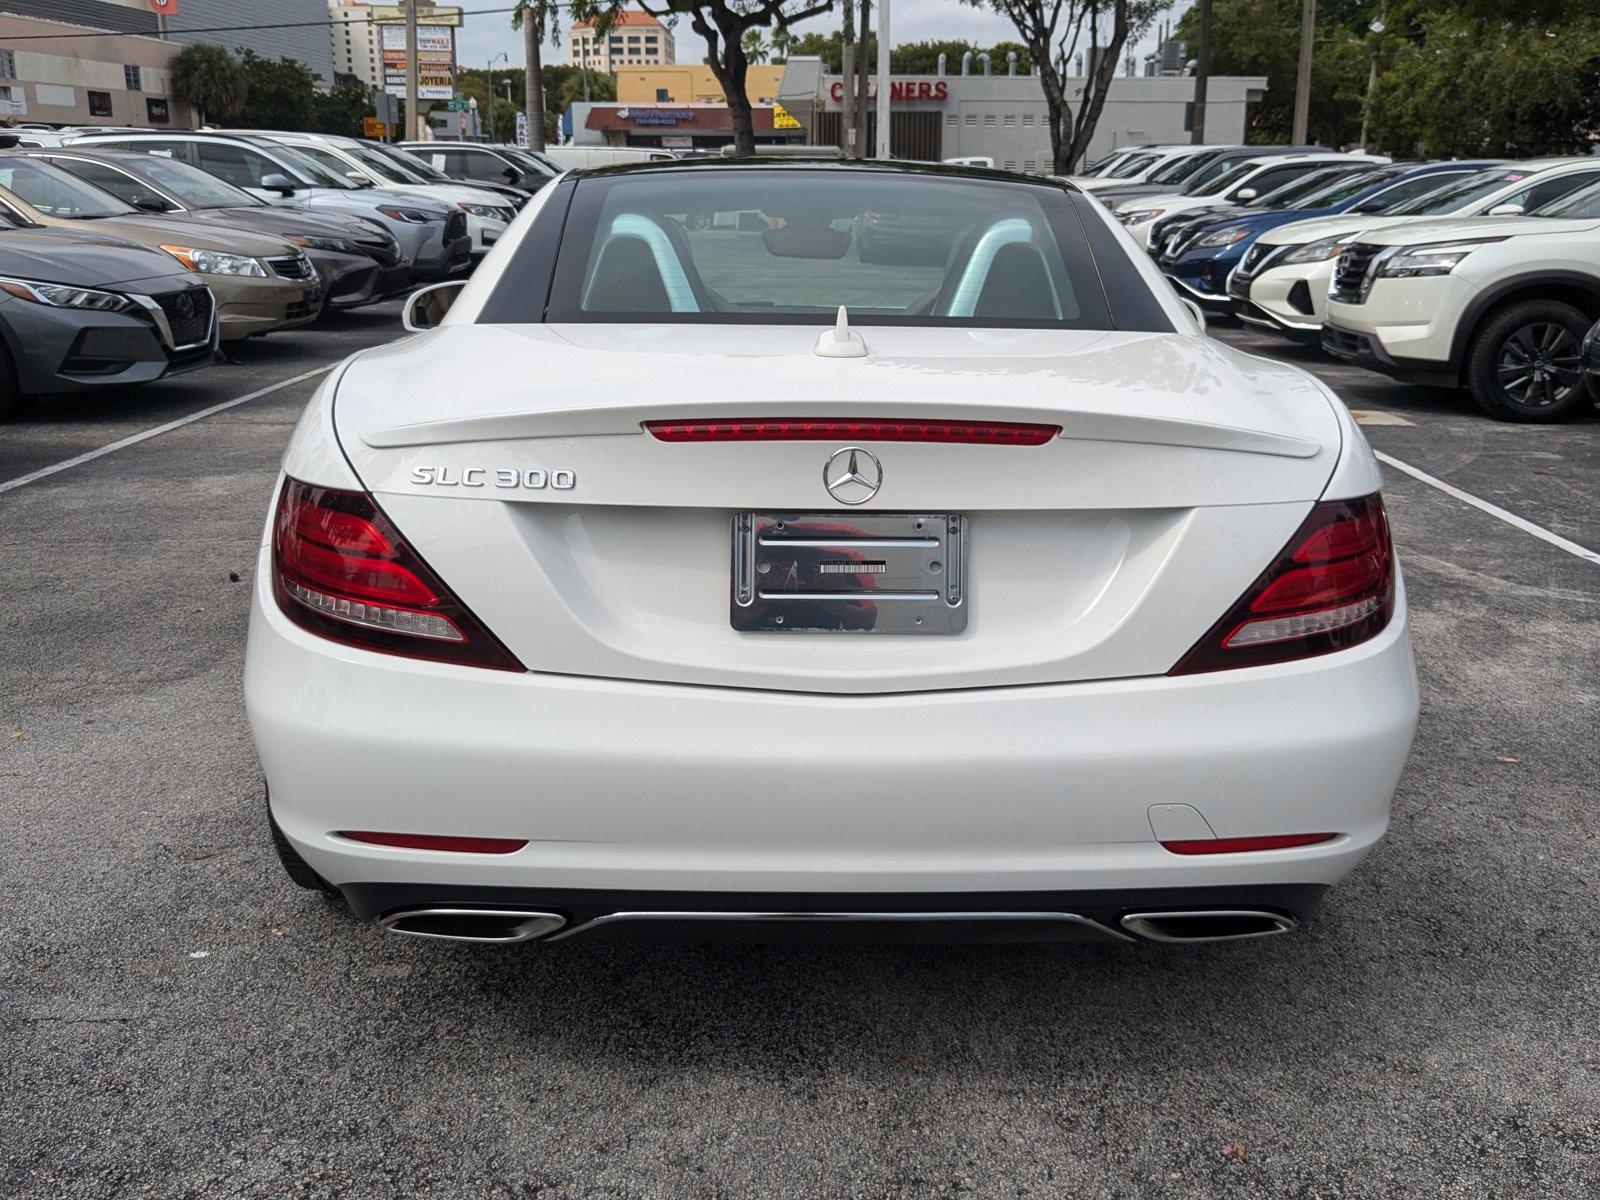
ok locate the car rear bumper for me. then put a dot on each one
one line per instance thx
(632, 786)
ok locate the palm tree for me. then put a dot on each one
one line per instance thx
(782, 42)
(532, 17)
(755, 46)
(209, 79)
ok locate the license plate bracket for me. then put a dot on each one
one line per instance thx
(849, 573)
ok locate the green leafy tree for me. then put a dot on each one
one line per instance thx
(279, 94)
(210, 80)
(1468, 86)
(1262, 37)
(755, 46)
(342, 107)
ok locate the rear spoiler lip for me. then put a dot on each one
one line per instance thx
(629, 421)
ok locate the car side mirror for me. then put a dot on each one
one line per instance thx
(281, 184)
(425, 309)
(1196, 312)
(1376, 204)
(512, 175)
(1245, 195)
(1506, 210)
(149, 204)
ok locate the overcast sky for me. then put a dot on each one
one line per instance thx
(480, 38)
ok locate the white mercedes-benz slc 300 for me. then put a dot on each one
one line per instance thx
(849, 551)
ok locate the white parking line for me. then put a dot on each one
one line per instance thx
(1510, 518)
(135, 439)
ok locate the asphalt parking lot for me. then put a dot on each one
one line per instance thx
(176, 1020)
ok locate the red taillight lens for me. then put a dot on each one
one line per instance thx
(436, 841)
(1330, 588)
(1242, 845)
(983, 433)
(341, 570)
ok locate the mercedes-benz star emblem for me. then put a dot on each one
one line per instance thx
(852, 475)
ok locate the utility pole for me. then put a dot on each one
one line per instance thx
(863, 92)
(1302, 87)
(1202, 76)
(847, 77)
(413, 105)
(883, 79)
(1375, 33)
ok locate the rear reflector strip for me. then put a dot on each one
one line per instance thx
(1241, 845)
(433, 841)
(983, 433)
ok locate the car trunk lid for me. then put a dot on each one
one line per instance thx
(593, 547)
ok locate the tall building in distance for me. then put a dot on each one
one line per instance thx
(301, 33)
(356, 41)
(636, 39)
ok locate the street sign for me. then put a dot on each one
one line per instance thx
(427, 14)
(782, 118)
(457, 104)
(372, 127)
(522, 130)
(386, 107)
(165, 8)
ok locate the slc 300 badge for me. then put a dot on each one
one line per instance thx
(533, 478)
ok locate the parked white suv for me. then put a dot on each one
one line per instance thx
(1282, 282)
(1498, 305)
(1241, 185)
(1139, 168)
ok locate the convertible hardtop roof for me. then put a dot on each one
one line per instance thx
(937, 170)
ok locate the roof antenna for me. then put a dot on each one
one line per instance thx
(841, 341)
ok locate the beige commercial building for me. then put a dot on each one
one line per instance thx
(357, 42)
(636, 39)
(102, 78)
(691, 83)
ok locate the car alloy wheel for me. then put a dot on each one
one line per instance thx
(1525, 362)
(1538, 365)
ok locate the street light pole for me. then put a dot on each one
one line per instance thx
(413, 117)
(1202, 76)
(1302, 89)
(883, 79)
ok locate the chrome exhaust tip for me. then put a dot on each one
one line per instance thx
(494, 926)
(1211, 925)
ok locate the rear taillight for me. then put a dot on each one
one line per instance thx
(803, 429)
(342, 570)
(1330, 588)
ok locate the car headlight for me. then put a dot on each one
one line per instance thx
(1416, 262)
(1316, 251)
(324, 243)
(1139, 216)
(58, 295)
(492, 212)
(214, 262)
(408, 216)
(1223, 237)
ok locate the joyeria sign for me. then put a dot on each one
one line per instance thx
(927, 91)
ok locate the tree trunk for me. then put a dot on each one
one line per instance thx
(847, 98)
(532, 36)
(725, 57)
(1099, 83)
(864, 90)
(1055, 108)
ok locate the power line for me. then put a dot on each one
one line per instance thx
(477, 12)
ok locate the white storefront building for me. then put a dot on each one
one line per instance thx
(1003, 116)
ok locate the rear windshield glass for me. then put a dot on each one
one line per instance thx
(779, 246)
